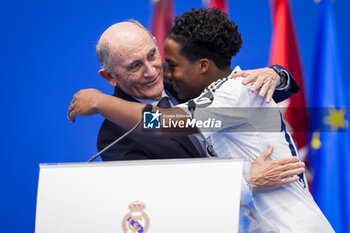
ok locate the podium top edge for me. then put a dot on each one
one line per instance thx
(140, 162)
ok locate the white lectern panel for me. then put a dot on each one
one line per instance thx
(173, 196)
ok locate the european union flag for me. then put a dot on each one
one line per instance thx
(330, 153)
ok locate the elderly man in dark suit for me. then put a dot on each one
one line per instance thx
(132, 64)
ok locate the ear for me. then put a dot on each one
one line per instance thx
(106, 75)
(204, 64)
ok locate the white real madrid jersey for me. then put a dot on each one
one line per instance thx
(247, 126)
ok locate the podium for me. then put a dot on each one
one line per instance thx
(157, 196)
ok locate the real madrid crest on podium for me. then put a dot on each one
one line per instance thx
(136, 220)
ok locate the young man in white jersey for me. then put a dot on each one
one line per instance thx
(244, 132)
(199, 50)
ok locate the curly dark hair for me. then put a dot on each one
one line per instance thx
(206, 33)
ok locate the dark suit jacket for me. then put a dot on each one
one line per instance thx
(135, 146)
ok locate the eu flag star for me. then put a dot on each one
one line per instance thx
(336, 119)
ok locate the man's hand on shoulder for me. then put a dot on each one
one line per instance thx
(84, 103)
(267, 79)
(273, 173)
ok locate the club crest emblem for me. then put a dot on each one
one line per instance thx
(136, 221)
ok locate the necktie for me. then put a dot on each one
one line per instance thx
(164, 103)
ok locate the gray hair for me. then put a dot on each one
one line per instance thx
(102, 52)
(102, 48)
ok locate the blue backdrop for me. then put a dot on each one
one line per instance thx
(48, 54)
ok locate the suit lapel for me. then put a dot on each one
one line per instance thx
(185, 141)
(121, 94)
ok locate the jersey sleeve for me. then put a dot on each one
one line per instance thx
(229, 106)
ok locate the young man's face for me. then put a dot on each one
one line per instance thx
(183, 75)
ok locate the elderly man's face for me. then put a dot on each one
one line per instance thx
(137, 66)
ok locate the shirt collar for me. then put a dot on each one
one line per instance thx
(172, 100)
(235, 70)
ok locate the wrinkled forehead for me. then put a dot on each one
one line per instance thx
(129, 50)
